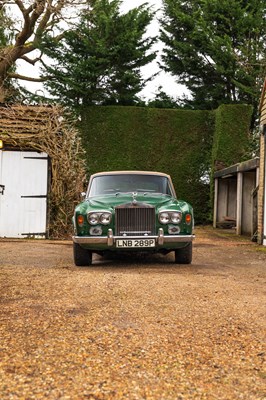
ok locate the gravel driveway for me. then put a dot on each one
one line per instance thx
(133, 328)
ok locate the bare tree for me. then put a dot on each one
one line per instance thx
(35, 18)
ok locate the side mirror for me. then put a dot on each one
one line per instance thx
(83, 195)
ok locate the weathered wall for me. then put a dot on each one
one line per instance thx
(261, 193)
(249, 183)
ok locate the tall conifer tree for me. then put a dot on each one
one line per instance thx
(99, 61)
(217, 48)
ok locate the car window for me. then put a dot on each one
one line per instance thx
(110, 184)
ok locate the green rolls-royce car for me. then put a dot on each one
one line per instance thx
(132, 211)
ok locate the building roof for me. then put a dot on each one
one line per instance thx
(244, 166)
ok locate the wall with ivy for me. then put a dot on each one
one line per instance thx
(177, 142)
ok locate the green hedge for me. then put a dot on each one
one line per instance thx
(177, 142)
(231, 142)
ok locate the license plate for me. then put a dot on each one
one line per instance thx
(136, 243)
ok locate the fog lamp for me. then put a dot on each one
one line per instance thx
(96, 231)
(173, 230)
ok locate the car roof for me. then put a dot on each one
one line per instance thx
(130, 173)
(154, 173)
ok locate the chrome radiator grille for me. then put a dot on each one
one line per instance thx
(135, 221)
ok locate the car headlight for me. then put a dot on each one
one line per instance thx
(105, 218)
(176, 217)
(164, 218)
(101, 217)
(93, 218)
(167, 217)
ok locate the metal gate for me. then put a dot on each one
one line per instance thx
(23, 194)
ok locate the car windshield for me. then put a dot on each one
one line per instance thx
(124, 183)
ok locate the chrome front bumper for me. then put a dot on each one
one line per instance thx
(110, 239)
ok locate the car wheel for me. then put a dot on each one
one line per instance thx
(82, 257)
(184, 255)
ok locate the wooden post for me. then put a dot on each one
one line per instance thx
(215, 206)
(239, 203)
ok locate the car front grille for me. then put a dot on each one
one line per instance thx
(135, 221)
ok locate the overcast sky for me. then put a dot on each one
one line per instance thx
(165, 80)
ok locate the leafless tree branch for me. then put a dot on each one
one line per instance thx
(37, 17)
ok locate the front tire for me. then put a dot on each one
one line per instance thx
(82, 257)
(184, 255)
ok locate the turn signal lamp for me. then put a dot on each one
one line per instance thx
(188, 219)
(1, 144)
(80, 220)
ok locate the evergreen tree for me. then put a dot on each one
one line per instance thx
(163, 100)
(99, 61)
(217, 48)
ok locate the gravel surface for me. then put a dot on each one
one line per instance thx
(133, 327)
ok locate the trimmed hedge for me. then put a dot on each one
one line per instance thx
(231, 137)
(174, 141)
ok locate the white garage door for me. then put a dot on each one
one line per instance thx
(23, 194)
(264, 224)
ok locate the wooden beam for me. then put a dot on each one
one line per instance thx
(239, 203)
(215, 206)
